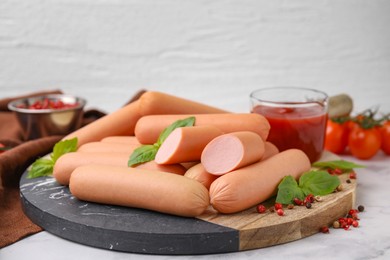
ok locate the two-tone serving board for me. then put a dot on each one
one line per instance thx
(53, 207)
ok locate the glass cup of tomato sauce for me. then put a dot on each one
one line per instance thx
(297, 117)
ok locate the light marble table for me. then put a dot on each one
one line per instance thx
(371, 240)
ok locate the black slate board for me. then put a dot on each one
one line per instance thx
(52, 207)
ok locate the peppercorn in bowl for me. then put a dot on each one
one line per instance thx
(48, 115)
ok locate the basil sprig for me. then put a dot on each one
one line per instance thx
(43, 166)
(338, 164)
(146, 153)
(312, 182)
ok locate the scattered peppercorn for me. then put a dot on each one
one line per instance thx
(355, 223)
(336, 224)
(308, 205)
(352, 175)
(261, 208)
(348, 180)
(340, 187)
(280, 212)
(324, 229)
(298, 202)
(278, 206)
(290, 206)
(361, 208)
(272, 209)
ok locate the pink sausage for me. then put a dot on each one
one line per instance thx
(232, 151)
(185, 144)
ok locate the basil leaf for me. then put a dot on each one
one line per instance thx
(288, 190)
(41, 167)
(338, 164)
(63, 147)
(44, 167)
(318, 183)
(144, 153)
(190, 121)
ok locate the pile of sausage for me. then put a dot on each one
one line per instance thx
(223, 160)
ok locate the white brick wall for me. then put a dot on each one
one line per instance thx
(216, 52)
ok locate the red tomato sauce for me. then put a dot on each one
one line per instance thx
(300, 127)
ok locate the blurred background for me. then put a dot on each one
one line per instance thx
(215, 52)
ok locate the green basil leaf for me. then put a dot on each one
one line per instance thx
(44, 167)
(41, 167)
(190, 121)
(338, 164)
(63, 147)
(318, 183)
(288, 190)
(144, 153)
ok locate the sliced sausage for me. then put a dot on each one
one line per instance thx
(185, 144)
(232, 151)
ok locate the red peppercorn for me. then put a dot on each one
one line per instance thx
(298, 202)
(260, 208)
(349, 221)
(337, 171)
(278, 206)
(324, 229)
(280, 212)
(352, 211)
(309, 198)
(352, 175)
(355, 223)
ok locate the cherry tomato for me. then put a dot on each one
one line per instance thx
(385, 132)
(336, 136)
(364, 143)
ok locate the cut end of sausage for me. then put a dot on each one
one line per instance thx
(222, 155)
(169, 147)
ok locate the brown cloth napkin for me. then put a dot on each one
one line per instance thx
(14, 224)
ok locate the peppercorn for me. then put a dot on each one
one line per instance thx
(290, 206)
(336, 224)
(298, 202)
(352, 175)
(278, 206)
(355, 223)
(280, 212)
(308, 205)
(324, 229)
(361, 208)
(348, 181)
(260, 208)
(340, 187)
(272, 209)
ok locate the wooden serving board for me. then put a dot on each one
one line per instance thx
(52, 207)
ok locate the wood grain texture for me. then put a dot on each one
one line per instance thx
(268, 229)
